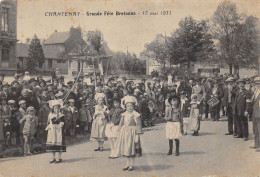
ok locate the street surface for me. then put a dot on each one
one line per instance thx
(210, 154)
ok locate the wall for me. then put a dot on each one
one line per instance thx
(9, 38)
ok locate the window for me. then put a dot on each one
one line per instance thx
(5, 19)
(58, 61)
(49, 63)
(5, 54)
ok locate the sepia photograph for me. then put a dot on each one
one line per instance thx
(129, 88)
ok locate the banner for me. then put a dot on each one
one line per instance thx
(100, 66)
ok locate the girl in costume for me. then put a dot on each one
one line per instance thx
(56, 136)
(112, 127)
(130, 128)
(99, 122)
(174, 125)
(194, 122)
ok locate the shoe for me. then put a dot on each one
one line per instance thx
(52, 161)
(101, 149)
(25, 155)
(114, 157)
(186, 133)
(125, 168)
(98, 149)
(170, 152)
(59, 161)
(245, 139)
(130, 168)
(238, 136)
(229, 133)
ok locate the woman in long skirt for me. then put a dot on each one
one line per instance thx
(174, 125)
(99, 123)
(56, 138)
(113, 125)
(194, 122)
(130, 128)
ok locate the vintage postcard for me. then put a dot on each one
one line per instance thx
(149, 88)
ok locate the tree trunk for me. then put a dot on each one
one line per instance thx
(230, 68)
(82, 69)
(236, 69)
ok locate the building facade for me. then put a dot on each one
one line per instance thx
(8, 36)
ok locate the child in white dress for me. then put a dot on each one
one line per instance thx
(99, 122)
(130, 128)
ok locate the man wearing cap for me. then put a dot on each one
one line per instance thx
(14, 122)
(242, 103)
(208, 88)
(256, 113)
(22, 113)
(228, 103)
(73, 116)
(5, 90)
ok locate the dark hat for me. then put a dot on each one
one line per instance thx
(60, 77)
(116, 100)
(173, 97)
(5, 85)
(110, 79)
(70, 82)
(32, 80)
(14, 82)
(241, 80)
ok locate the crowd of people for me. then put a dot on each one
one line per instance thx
(48, 111)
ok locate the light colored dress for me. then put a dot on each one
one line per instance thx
(173, 125)
(99, 123)
(130, 127)
(194, 122)
(56, 137)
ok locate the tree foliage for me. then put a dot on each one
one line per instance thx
(35, 54)
(235, 35)
(157, 50)
(190, 42)
(122, 63)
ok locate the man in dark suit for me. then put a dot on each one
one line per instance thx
(242, 103)
(228, 102)
(208, 88)
(256, 114)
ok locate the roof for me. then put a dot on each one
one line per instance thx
(105, 49)
(57, 38)
(52, 52)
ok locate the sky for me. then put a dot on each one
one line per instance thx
(120, 32)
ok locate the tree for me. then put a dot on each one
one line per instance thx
(35, 54)
(225, 28)
(158, 50)
(95, 38)
(190, 42)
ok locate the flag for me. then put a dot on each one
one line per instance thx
(100, 66)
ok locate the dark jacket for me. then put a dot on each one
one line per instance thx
(242, 102)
